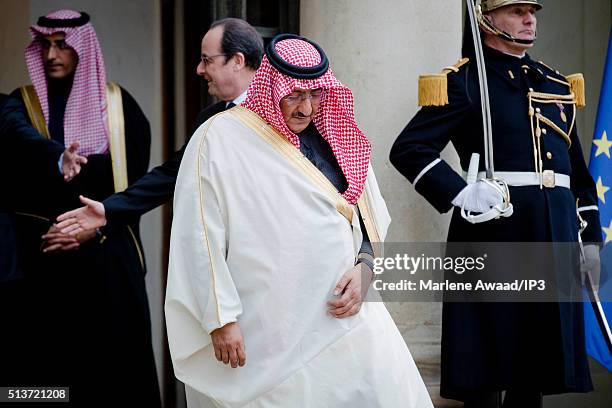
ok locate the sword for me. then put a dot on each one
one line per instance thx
(505, 209)
(484, 92)
(600, 314)
(598, 310)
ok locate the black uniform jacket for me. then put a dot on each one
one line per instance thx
(502, 346)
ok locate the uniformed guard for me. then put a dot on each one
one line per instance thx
(525, 349)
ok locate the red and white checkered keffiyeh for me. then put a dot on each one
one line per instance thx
(85, 116)
(335, 118)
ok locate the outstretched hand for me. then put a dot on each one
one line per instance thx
(72, 162)
(82, 219)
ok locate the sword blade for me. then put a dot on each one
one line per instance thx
(484, 92)
(600, 314)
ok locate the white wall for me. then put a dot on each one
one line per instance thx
(14, 21)
(378, 49)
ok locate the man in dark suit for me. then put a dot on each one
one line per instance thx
(231, 52)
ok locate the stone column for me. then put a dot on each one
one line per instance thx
(14, 22)
(378, 49)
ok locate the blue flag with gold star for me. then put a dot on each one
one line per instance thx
(600, 167)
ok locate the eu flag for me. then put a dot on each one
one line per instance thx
(601, 169)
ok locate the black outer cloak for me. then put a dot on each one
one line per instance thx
(16, 136)
(83, 316)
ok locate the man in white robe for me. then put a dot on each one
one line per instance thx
(275, 207)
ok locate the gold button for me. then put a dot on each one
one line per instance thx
(549, 155)
(538, 110)
(544, 131)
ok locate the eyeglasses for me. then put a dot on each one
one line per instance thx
(209, 59)
(59, 44)
(315, 96)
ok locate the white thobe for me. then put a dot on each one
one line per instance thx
(259, 238)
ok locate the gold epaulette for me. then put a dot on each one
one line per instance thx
(433, 88)
(576, 82)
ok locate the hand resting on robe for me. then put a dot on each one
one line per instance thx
(352, 290)
(228, 342)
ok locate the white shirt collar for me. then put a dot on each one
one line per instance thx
(239, 99)
(514, 55)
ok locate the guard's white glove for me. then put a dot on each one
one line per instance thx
(591, 265)
(478, 197)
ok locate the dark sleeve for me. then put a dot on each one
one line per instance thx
(18, 135)
(152, 190)
(416, 152)
(366, 246)
(157, 186)
(35, 183)
(208, 113)
(584, 190)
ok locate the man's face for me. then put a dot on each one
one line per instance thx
(215, 67)
(519, 21)
(299, 107)
(60, 60)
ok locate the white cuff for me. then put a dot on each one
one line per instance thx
(425, 170)
(59, 163)
(458, 200)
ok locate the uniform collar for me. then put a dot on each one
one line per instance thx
(493, 55)
(511, 68)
